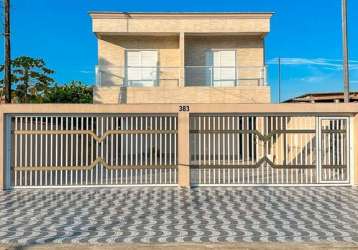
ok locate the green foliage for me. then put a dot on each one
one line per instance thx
(74, 92)
(32, 83)
(1, 80)
(30, 79)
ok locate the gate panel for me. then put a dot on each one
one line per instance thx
(75, 150)
(334, 150)
(254, 150)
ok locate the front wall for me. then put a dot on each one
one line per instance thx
(332, 109)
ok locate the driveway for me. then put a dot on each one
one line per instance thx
(170, 215)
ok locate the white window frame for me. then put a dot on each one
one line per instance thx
(155, 81)
(210, 69)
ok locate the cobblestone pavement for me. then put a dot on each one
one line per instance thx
(171, 215)
(188, 246)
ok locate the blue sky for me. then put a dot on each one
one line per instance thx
(306, 33)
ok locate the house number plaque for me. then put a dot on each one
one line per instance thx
(184, 108)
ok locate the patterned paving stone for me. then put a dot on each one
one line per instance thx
(169, 215)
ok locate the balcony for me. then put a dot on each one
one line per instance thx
(188, 76)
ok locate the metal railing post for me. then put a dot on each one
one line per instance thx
(263, 80)
(265, 75)
(98, 77)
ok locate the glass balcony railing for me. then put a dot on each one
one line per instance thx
(188, 76)
(224, 76)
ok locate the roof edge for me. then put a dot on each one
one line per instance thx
(113, 14)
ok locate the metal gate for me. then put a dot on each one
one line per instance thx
(84, 150)
(334, 150)
(141, 149)
(269, 150)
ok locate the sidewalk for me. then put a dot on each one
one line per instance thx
(162, 215)
(238, 246)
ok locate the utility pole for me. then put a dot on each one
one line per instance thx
(279, 80)
(7, 64)
(345, 51)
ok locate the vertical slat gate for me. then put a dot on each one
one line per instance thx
(334, 145)
(85, 150)
(234, 149)
(135, 149)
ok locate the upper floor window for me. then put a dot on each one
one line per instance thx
(142, 68)
(221, 68)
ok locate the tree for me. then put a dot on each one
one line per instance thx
(1, 80)
(74, 92)
(30, 79)
(2, 96)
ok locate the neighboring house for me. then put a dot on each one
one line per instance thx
(181, 57)
(332, 97)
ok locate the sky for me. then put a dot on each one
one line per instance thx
(306, 34)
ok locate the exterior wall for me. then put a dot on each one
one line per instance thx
(111, 50)
(249, 54)
(122, 23)
(131, 95)
(181, 40)
(249, 49)
(111, 55)
(106, 95)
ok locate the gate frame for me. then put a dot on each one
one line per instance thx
(8, 152)
(350, 172)
(318, 119)
(9, 172)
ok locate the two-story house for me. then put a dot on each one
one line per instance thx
(181, 57)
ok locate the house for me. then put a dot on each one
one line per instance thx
(329, 97)
(209, 70)
(181, 57)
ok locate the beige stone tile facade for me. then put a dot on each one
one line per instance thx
(241, 94)
(181, 41)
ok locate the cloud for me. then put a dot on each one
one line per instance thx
(86, 72)
(313, 79)
(335, 64)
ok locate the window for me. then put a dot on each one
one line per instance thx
(221, 68)
(142, 68)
